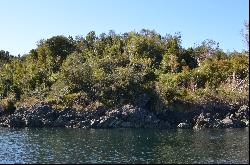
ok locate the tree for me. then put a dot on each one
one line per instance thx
(171, 58)
(54, 51)
(5, 57)
(207, 49)
(245, 34)
(115, 69)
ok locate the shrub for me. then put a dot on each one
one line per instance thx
(8, 106)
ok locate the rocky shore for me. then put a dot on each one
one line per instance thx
(127, 116)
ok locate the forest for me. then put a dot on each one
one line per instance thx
(140, 68)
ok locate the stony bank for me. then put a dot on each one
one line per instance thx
(128, 116)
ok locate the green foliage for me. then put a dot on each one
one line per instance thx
(51, 53)
(5, 57)
(115, 69)
(240, 64)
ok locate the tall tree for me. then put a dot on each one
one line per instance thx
(246, 34)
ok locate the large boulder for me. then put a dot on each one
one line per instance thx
(236, 119)
(95, 113)
(202, 121)
(65, 118)
(40, 115)
(242, 113)
(126, 116)
(231, 123)
(14, 121)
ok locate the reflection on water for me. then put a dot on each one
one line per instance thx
(59, 145)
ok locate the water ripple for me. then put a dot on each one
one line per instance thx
(57, 145)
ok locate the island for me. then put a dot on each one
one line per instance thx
(131, 80)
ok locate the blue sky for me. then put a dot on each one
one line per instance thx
(24, 22)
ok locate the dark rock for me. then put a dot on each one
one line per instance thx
(62, 121)
(100, 111)
(128, 116)
(242, 113)
(104, 122)
(94, 123)
(15, 121)
(231, 123)
(1, 111)
(126, 124)
(84, 124)
(204, 120)
(34, 121)
(142, 100)
(39, 116)
(246, 122)
(114, 123)
(71, 124)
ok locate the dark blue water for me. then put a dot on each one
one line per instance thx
(55, 145)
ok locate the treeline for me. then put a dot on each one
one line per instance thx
(141, 68)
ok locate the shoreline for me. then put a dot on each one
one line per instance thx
(128, 116)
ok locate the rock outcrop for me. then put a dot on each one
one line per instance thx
(127, 116)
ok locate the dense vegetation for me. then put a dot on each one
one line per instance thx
(140, 68)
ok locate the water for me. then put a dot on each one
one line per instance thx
(61, 145)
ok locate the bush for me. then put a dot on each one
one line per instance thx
(140, 68)
(8, 106)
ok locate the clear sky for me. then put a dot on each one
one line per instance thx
(24, 22)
